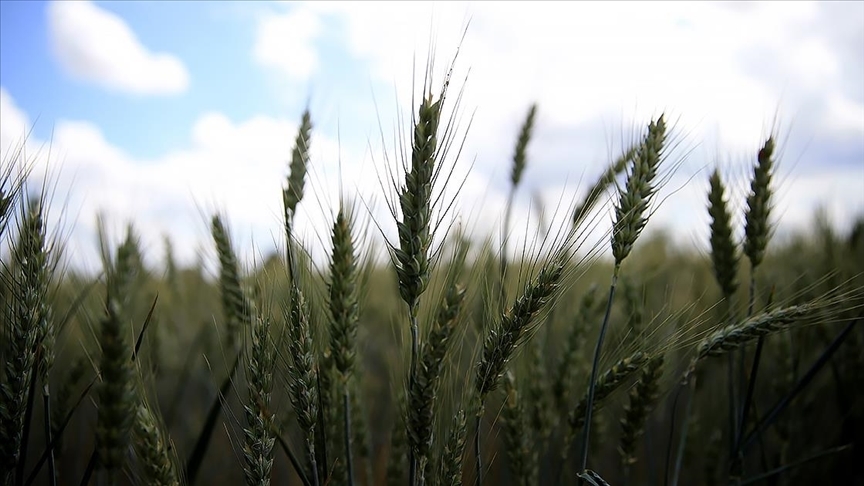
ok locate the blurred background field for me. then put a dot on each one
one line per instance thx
(667, 286)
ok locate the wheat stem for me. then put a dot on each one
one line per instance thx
(682, 441)
(415, 345)
(478, 459)
(348, 453)
(594, 367)
(52, 467)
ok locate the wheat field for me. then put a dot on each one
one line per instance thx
(624, 360)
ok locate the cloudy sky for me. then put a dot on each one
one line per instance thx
(162, 113)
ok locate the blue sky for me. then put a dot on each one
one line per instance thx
(214, 49)
(164, 112)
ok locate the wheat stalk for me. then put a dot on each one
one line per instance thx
(398, 449)
(630, 220)
(757, 232)
(569, 366)
(412, 258)
(510, 332)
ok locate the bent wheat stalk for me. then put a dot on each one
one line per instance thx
(509, 333)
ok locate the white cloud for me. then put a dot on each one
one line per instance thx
(98, 46)
(583, 61)
(286, 42)
(845, 116)
(238, 167)
(723, 70)
(14, 126)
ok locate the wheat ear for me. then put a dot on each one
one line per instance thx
(606, 383)
(520, 158)
(756, 218)
(344, 314)
(518, 435)
(630, 220)
(302, 374)
(412, 258)
(757, 233)
(235, 304)
(236, 309)
(117, 398)
(510, 332)
(724, 258)
(734, 336)
(724, 255)
(259, 431)
(424, 388)
(601, 184)
(454, 451)
(29, 325)
(152, 447)
(293, 193)
(642, 399)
